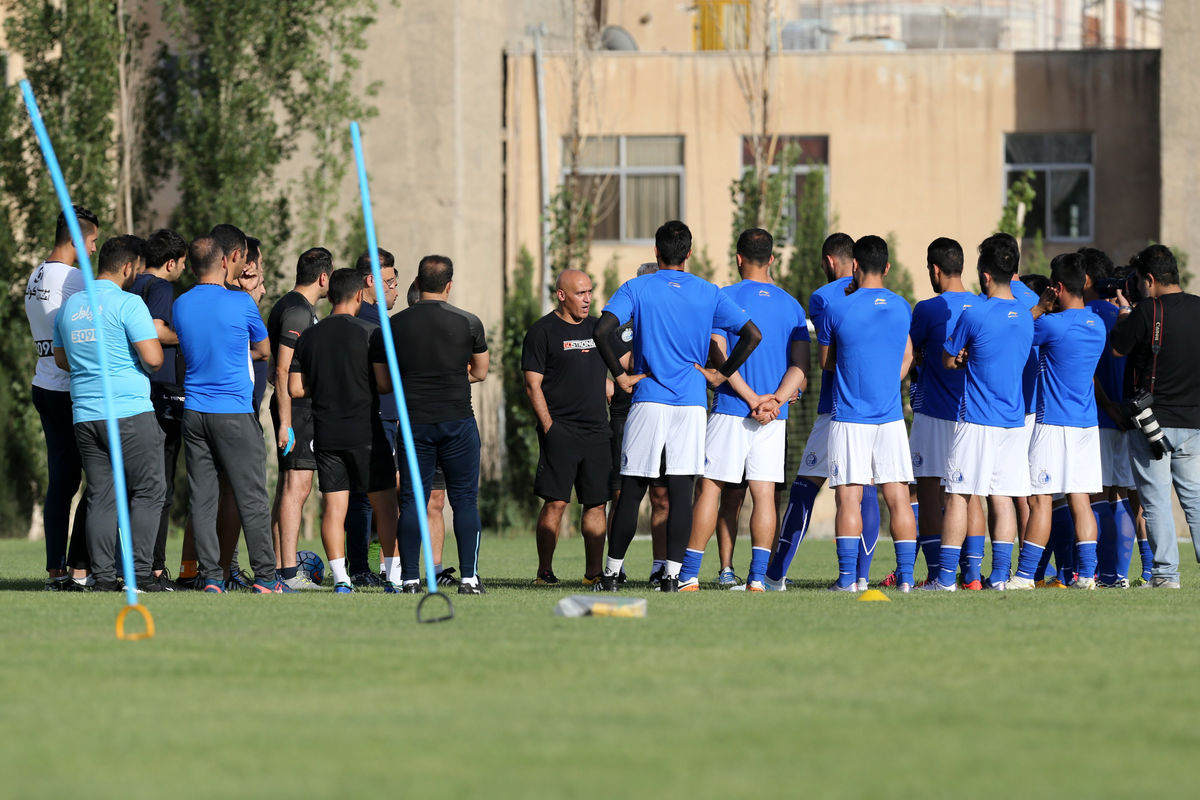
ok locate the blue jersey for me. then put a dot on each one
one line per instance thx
(937, 391)
(1069, 345)
(817, 303)
(673, 314)
(215, 326)
(1028, 299)
(780, 318)
(1110, 370)
(997, 335)
(126, 320)
(869, 328)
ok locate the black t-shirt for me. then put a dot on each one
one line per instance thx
(573, 372)
(159, 295)
(1177, 382)
(291, 316)
(336, 357)
(434, 344)
(622, 344)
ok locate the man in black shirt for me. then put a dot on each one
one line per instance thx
(1172, 376)
(291, 316)
(443, 350)
(340, 364)
(567, 385)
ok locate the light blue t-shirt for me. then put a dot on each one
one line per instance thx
(780, 319)
(1069, 345)
(1110, 370)
(817, 303)
(869, 328)
(938, 391)
(674, 314)
(1028, 298)
(215, 326)
(997, 335)
(126, 320)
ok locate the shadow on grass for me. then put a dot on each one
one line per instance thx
(22, 585)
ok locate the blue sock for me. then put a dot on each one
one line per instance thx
(1031, 556)
(758, 563)
(948, 568)
(1001, 562)
(1062, 542)
(691, 564)
(1106, 542)
(906, 559)
(847, 555)
(1043, 566)
(973, 552)
(870, 532)
(1126, 536)
(1147, 558)
(793, 527)
(1085, 559)
(931, 548)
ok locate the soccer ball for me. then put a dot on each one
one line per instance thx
(310, 564)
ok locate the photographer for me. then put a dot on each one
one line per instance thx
(1159, 336)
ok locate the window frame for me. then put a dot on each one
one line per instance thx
(804, 168)
(1050, 168)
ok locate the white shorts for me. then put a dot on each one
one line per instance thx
(815, 463)
(1065, 460)
(1030, 423)
(651, 427)
(987, 461)
(929, 444)
(1116, 467)
(737, 447)
(863, 454)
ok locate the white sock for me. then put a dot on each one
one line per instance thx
(613, 566)
(672, 568)
(338, 567)
(391, 569)
(656, 565)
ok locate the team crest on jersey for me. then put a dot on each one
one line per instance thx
(835, 470)
(810, 459)
(956, 476)
(1043, 477)
(579, 344)
(917, 460)
(881, 301)
(627, 335)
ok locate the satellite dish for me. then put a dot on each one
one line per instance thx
(614, 37)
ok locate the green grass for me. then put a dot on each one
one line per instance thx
(712, 695)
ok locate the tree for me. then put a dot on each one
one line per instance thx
(1017, 202)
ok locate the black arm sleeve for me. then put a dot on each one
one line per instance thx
(605, 328)
(748, 338)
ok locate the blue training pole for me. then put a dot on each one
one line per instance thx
(85, 266)
(410, 451)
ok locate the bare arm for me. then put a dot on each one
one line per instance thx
(795, 379)
(827, 353)
(60, 358)
(906, 363)
(537, 399)
(150, 353)
(297, 387)
(166, 336)
(261, 351)
(283, 389)
(954, 360)
(477, 369)
(383, 379)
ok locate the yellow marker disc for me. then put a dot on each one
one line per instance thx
(873, 596)
(133, 637)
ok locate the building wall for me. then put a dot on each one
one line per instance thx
(1180, 104)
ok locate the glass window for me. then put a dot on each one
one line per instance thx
(1063, 178)
(811, 155)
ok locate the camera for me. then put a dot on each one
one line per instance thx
(1124, 279)
(1138, 411)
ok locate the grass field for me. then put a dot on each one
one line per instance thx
(718, 694)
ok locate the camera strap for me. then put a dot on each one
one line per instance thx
(1156, 332)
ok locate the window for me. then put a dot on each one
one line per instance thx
(1062, 180)
(811, 154)
(721, 24)
(637, 183)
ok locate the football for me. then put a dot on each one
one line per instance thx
(310, 564)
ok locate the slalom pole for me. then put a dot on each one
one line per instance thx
(114, 434)
(389, 346)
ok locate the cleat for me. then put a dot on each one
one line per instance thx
(343, 588)
(214, 587)
(753, 586)
(302, 583)
(609, 582)
(544, 578)
(935, 586)
(905, 588)
(1018, 584)
(861, 585)
(655, 578)
(998, 586)
(1087, 584)
(1159, 582)
(889, 581)
(192, 584)
(240, 581)
(836, 587)
(446, 577)
(270, 587)
(1119, 583)
(164, 580)
(973, 586)
(726, 579)
(594, 583)
(106, 586)
(669, 583)
(775, 586)
(59, 584)
(1040, 583)
(1055, 583)
(411, 587)
(390, 588)
(368, 579)
(150, 584)
(692, 584)
(473, 586)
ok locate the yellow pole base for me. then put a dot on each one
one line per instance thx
(133, 637)
(873, 596)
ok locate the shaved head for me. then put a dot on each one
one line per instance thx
(567, 277)
(574, 290)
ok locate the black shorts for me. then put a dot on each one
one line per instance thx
(569, 458)
(439, 480)
(302, 455)
(368, 468)
(616, 427)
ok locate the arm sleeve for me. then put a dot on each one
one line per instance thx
(917, 327)
(800, 332)
(159, 299)
(478, 336)
(1127, 333)
(827, 325)
(620, 344)
(56, 336)
(299, 355)
(293, 322)
(1044, 329)
(533, 351)
(254, 323)
(620, 305)
(961, 333)
(728, 315)
(376, 351)
(139, 326)
(72, 283)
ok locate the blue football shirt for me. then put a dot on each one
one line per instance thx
(125, 320)
(1028, 298)
(869, 328)
(780, 318)
(817, 303)
(215, 326)
(997, 335)
(1110, 370)
(673, 314)
(938, 391)
(1069, 346)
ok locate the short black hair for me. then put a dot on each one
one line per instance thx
(414, 294)
(839, 246)
(1069, 269)
(434, 273)
(1038, 284)
(1097, 263)
(312, 264)
(947, 254)
(230, 238)
(999, 256)
(871, 253)
(253, 250)
(204, 255)
(343, 283)
(162, 246)
(674, 241)
(119, 251)
(88, 224)
(363, 265)
(1159, 262)
(756, 245)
